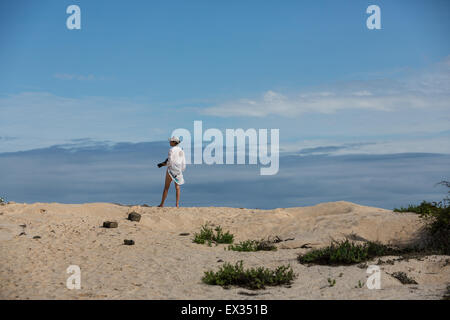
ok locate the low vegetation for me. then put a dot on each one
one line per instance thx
(253, 245)
(437, 218)
(253, 278)
(403, 278)
(424, 208)
(2, 200)
(447, 294)
(346, 252)
(209, 235)
(331, 282)
(437, 240)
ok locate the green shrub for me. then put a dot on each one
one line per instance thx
(438, 228)
(207, 235)
(2, 200)
(424, 208)
(253, 245)
(437, 218)
(253, 278)
(346, 252)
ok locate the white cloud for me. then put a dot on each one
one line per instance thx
(394, 116)
(425, 89)
(273, 103)
(41, 119)
(420, 144)
(79, 77)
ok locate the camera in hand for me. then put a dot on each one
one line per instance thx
(162, 164)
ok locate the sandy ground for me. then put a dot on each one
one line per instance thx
(166, 265)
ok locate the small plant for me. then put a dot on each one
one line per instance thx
(447, 293)
(2, 201)
(403, 278)
(346, 252)
(207, 235)
(253, 278)
(253, 245)
(331, 282)
(360, 284)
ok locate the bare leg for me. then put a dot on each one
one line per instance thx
(166, 189)
(177, 187)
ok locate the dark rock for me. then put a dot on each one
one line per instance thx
(110, 224)
(134, 216)
(128, 242)
(22, 234)
(184, 234)
(246, 293)
(36, 237)
(220, 260)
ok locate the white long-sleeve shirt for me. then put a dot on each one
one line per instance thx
(176, 164)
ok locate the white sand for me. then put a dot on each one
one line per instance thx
(164, 265)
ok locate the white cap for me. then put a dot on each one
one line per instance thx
(174, 139)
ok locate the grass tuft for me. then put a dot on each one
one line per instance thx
(331, 282)
(253, 278)
(346, 252)
(207, 235)
(253, 245)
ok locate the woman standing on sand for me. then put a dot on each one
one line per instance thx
(176, 164)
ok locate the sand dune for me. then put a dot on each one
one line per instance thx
(165, 265)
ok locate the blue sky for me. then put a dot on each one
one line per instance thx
(137, 70)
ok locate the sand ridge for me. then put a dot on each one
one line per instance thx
(164, 265)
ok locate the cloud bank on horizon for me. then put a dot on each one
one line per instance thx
(90, 171)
